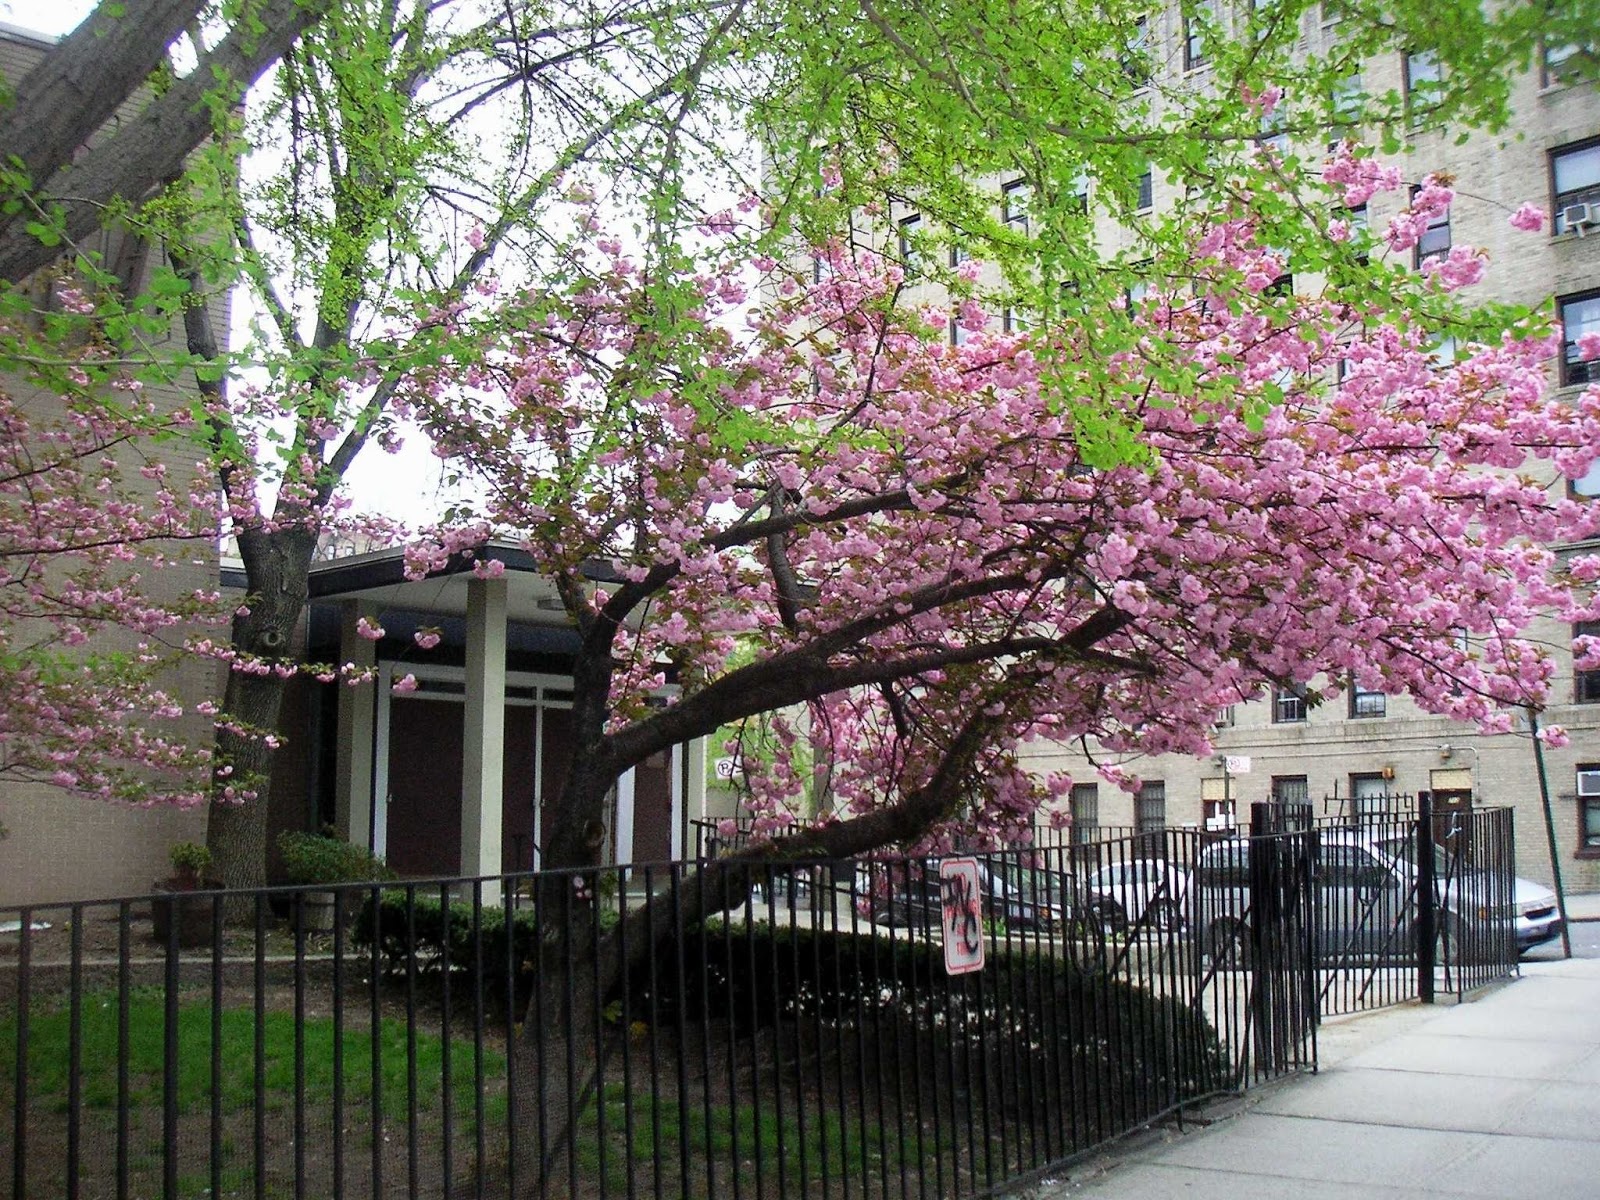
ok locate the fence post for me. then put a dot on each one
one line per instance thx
(1265, 933)
(1426, 918)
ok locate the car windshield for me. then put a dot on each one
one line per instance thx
(1029, 883)
(1403, 849)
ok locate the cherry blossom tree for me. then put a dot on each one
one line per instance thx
(904, 554)
(390, 210)
(95, 508)
(833, 510)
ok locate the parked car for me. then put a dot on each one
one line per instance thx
(1015, 894)
(1148, 891)
(1535, 916)
(1365, 902)
(1027, 897)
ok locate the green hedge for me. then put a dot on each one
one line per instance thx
(1035, 1031)
(1041, 1033)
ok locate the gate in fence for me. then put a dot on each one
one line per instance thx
(714, 1028)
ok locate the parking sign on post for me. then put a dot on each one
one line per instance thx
(961, 897)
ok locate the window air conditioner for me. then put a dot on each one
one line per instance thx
(1589, 782)
(1580, 217)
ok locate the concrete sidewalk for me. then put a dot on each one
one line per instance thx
(1496, 1098)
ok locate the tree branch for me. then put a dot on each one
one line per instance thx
(152, 146)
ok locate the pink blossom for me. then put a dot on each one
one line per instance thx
(1553, 736)
(1461, 267)
(1264, 101)
(1530, 218)
(427, 638)
(405, 684)
(369, 629)
(1589, 345)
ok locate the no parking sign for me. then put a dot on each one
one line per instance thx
(961, 900)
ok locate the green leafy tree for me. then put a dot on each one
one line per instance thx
(419, 154)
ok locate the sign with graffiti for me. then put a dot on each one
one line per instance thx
(961, 895)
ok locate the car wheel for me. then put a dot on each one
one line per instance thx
(1230, 945)
(1449, 947)
(1112, 916)
(1164, 915)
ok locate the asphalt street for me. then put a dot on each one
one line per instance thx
(1585, 944)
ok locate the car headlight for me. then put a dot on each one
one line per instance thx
(1540, 905)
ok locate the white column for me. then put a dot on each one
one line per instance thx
(625, 786)
(483, 758)
(679, 819)
(694, 786)
(357, 711)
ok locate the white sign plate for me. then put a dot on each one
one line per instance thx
(961, 896)
(1238, 764)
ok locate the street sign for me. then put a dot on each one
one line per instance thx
(961, 896)
(726, 768)
(1237, 764)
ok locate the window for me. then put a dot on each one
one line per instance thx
(1290, 789)
(1150, 807)
(1012, 320)
(1422, 79)
(1586, 486)
(1366, 703)
(1288, 705)
(1360, 226)
(958, 254)
(1194, 47)
(1579, 315)
(1217, 803)
(1144, 192)
(1224, 717)
(909, 228)
(1273, 134)
(1080, 192)
(958, 333)
(1085, 812)
(1574, 184)
(1586, 684)
(1135, 292)
(1136, 63)
(1369, 795)
(1014, 204)
(1556, 63)
(1348, 98)
(1283, 285)
(1435, 239)
(1589, 810)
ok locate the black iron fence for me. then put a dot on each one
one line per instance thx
(677, 1030)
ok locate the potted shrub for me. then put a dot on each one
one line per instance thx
(191, 872)
(312, 861)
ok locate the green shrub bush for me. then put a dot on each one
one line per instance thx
(310, 859)
(1035, 1031)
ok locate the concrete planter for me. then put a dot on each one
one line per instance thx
(186, 908)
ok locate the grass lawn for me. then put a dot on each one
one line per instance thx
(48, 1044)
(641, 1137)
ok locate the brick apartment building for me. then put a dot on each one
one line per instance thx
(1362, 746)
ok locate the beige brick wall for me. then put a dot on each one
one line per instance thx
(1495, 173)
(61, 846)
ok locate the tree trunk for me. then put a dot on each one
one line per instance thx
(276, 566)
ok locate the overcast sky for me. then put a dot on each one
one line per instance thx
(45, 16)
(403, 487)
